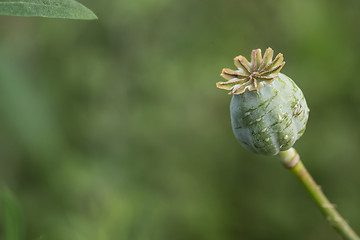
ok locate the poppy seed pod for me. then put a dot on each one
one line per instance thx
(268, 110)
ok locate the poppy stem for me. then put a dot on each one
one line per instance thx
(291, 160)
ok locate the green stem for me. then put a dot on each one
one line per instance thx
(291, 160)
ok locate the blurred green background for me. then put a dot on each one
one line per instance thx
(114, 129)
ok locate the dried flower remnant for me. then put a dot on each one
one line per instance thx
(251, 75)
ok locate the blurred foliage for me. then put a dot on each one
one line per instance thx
(114, 129)
(12, 217)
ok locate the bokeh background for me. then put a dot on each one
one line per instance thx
(113, 129)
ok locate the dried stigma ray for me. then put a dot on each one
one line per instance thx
(251, 75)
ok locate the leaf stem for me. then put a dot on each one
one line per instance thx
(291, 160)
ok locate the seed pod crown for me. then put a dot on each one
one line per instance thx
(251, 75)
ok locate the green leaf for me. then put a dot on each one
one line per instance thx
(46, 8)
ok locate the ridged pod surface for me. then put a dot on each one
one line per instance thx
(268, 110)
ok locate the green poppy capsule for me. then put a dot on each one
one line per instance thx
(268, 110)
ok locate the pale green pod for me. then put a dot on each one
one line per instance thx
(268, 110)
